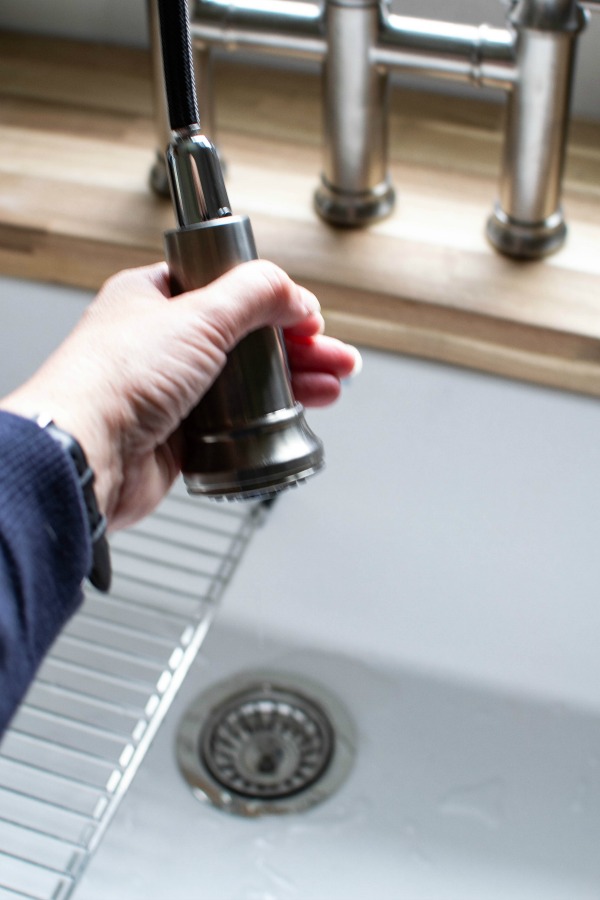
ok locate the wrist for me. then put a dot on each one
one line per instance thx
(100, 572)
(92, 434)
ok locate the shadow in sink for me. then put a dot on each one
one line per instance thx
(455, 793)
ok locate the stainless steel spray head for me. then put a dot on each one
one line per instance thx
(248, 436)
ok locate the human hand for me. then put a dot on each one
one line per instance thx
(139, 361)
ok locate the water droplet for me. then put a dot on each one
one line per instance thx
(482, 802)
(412, 840)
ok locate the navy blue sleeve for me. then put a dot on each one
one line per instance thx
(45, 552)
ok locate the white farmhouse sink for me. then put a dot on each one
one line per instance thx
(457, 792)
(441, 579)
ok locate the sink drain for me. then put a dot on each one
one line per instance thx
(267, 743)
(261, 744)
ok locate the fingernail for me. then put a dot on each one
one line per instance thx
(358, 363)
(311, 304)
(357, 367)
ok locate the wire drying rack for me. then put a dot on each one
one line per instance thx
(100, 696)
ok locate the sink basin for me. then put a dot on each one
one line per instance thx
(456, 792)
(440, 578)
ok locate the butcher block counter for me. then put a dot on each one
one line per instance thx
(77, 142)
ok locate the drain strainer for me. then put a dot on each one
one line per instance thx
(265, 743)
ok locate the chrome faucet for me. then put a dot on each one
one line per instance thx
(360, 42)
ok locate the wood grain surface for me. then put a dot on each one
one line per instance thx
(77, 141)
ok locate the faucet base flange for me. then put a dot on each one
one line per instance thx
(159, 177)
(522, 240)
(354, 209)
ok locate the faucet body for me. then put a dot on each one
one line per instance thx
(355, 187)
(528, 219)
(360, 42)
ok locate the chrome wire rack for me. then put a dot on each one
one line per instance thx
(100, 696)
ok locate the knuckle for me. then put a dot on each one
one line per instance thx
(278, 284)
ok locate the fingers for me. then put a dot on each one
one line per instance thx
(317, 365)
(307, 328)
(315, 388)
(251, 296)
(322, 354)
(257, 294)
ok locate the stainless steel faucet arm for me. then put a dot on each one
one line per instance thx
(284, 27)
(477, 53)
(360, 42)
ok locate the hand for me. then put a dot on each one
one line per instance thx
(139, 361)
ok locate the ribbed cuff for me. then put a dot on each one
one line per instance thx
(44, 535)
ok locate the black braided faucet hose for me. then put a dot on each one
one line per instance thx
(178, 66)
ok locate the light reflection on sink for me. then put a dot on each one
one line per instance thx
(441, 578)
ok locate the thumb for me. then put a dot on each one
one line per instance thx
(250, 296)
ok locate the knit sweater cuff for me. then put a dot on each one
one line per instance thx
(44, 537)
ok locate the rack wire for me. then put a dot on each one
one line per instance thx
(88, 719)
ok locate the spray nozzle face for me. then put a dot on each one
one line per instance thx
(196, 179)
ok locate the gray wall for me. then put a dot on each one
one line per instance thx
(124, 21)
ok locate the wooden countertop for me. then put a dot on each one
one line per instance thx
(77, 143)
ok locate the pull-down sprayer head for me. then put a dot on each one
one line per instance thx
(248, 436)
